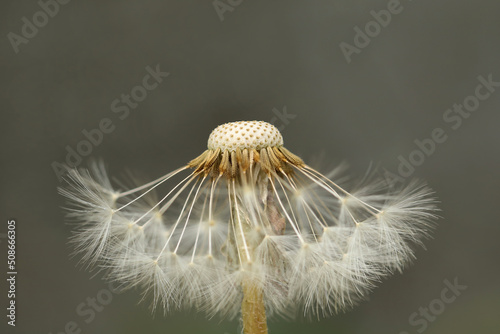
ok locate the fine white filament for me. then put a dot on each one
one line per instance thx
(332, 246)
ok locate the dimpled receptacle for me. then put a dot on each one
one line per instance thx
(244, 135)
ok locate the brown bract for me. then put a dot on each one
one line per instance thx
(270, 160)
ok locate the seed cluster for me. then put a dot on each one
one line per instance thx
(247, 228)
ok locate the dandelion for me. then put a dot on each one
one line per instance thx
(247, 228)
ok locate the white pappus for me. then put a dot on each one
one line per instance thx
(247, 223)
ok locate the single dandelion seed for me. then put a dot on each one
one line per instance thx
(247, 228)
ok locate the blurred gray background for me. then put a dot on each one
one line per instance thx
(263, 58)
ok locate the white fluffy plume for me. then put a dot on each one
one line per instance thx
(310, 245)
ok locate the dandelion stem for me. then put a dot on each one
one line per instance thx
(253, 311)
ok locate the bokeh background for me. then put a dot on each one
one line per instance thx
(264, 57)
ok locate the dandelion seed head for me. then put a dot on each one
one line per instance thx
(247, 215)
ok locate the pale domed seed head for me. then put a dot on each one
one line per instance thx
(244, 135)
